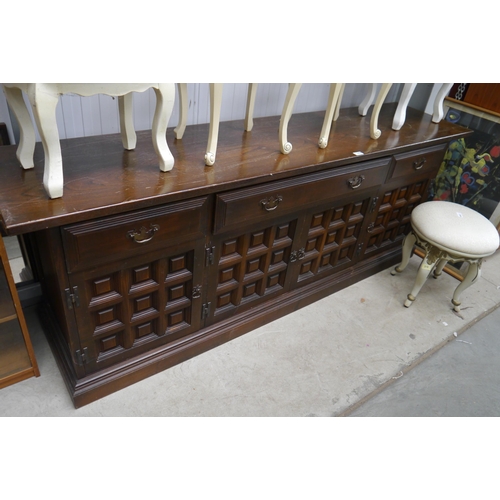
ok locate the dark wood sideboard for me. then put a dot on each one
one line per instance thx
(142, 269)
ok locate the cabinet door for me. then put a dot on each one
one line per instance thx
(249, 266)
(122, 312)
(330, 239)
(391, 219)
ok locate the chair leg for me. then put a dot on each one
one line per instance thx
(165, 96)
(291, 96)
(473, 273)
(183, 110)
(44, 103)
(213, 133)
(336, 91)
(26, 146)
(252, 92)
(127, 130)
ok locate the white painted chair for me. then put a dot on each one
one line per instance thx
(215, 107)
(44, 98)
(448, 232)
(332, 112)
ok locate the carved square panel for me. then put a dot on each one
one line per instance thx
(253, 265)
(175, 318)
(144, 329)
(273, 280)
(317, 220)
(249, 289)
(176, 292)
(141, 274)
(108, 343)
(277, 257)
(105, 316)
(256, 239)
(282, 231)
(229, 247)
(177, 264)
(312, 243)
(143, 303)
(306, 267)
(226, 275)
(102, 286)
(223, 299)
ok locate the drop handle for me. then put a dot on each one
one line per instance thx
(143, 235)
(355, 182)
(418, 164)
(271, 203)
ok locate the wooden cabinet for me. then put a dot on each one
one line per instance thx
(137, 285)
(17, 358)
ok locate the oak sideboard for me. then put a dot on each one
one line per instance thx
(142, 269)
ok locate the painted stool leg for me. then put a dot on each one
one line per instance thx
(439, 268)
(27, 139)
(213, 134)
(422, 274)
(252, 91)
(339, 101)
(291, 95)
(165, 96)
(408, 244)
(336, 90)
(127, 129)
(471, 277)
(44, 103)
(183, 110)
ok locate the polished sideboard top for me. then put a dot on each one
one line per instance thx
(101, 178)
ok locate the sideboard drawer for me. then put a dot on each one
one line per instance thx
(119, 237)
(422, 160)
(275, 199)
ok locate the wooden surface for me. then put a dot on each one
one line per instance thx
(101, 178)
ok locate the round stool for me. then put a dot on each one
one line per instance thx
(448, 232)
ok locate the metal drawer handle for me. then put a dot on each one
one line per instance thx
(418, 164)
(355, 182)
(271, 203)
(144, 235)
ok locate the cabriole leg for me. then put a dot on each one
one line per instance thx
(384, 90)
(408, 244)
(293, 91)
(336, 90)
(423, 272)
(165, 96)
(127, 130)
(44, 103)
(252, 91)
(183, 110)
(213, 134)
(473, 273)
(26, 146)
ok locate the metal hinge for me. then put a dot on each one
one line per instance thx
(358, 250)
(209, 255)
(82, 356)
(205, 310)
(373, 205)
(72, 297)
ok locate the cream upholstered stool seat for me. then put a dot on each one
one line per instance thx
(448, 232)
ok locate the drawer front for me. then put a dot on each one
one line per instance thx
(114, 238)
(418, 162)
(265, 202)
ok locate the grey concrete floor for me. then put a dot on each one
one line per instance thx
(358, 352)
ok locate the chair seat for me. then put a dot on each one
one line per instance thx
(455, 228)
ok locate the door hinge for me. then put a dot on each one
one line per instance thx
(358, 250)
(72, 297)
(82, 356)
(373, 205)
(205, 310)
(209, 255)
